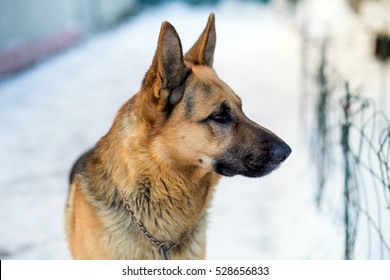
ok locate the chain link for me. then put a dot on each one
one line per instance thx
(164, 246)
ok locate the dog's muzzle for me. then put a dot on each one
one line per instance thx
(252, 163)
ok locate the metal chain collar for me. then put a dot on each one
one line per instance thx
(164, 247)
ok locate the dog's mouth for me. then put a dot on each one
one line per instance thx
(244, 169)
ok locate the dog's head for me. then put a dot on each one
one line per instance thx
(196, 120)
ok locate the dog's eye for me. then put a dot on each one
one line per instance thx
(221, 117)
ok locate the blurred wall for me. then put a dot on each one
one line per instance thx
(21, 20)
(31, 29)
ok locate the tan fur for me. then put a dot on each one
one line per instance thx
(161, 151)
(84, 228)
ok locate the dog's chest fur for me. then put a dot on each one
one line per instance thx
(171, 207)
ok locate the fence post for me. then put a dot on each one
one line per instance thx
(347, 170)
(322, 147)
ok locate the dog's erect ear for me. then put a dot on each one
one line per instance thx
(202, 53)
(168, 71)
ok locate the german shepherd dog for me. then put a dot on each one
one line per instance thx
(143, 191)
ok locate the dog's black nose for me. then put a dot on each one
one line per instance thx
(280, 151)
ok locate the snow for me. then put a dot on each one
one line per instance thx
(53, 112)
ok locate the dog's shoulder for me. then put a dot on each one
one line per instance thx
(80, 165)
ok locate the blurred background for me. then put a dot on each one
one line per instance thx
(314, 72)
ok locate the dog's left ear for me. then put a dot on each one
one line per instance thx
(202, 53)
(166, 76)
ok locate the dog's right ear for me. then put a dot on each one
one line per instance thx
(166, 76)
(202, 53)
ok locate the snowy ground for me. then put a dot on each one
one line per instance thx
(55, 111)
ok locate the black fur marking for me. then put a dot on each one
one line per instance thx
(80, 165)
(207, 90)
(176, 94)
(115, 202)
(189, 105)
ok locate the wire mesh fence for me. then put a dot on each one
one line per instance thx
(365, 139)
(351, 137)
